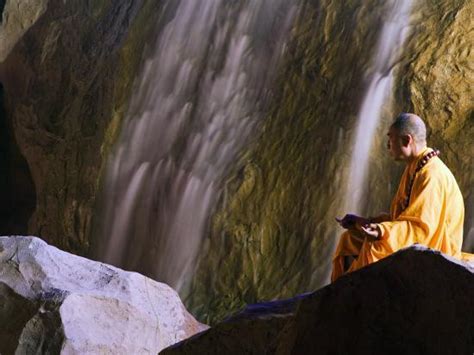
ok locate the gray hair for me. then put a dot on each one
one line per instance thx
(409, 123)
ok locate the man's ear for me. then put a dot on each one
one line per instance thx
(406, 140)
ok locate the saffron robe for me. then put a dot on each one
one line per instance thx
(433, 218)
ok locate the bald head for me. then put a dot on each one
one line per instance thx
(411, 124)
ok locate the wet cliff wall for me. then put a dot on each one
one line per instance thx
(273, 233)
(66, 70)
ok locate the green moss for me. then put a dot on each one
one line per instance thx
(131, 56)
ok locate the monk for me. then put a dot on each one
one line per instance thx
(428, 207)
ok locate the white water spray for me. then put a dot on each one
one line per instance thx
(197, 101)
(389, 46)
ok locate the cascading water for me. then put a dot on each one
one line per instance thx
(197, 101)
(390, 43)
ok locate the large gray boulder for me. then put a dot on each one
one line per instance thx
(55, 302)
(417, 301)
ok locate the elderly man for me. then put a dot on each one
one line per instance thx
(428, 207)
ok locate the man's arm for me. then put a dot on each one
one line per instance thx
(351, 221)
(419, 221)
(383, 217)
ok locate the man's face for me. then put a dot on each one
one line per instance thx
(395, 145)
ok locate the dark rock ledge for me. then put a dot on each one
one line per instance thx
(416, 301)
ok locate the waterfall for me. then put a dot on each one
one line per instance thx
(195, 105)
(389, 46)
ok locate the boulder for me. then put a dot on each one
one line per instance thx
(417, 301)
(53, 301)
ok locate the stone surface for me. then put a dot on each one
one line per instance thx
(416, 301)
(53, 301)
(66, 78)
(18, 17)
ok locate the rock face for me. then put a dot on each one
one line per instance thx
(66, 69)
(55, 302)
(416, 301)
(20, 15)
(275, 222)
(437, 82)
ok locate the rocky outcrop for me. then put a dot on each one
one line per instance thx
(416, 301)
(66, 69)
(53, 302)
(17, 16)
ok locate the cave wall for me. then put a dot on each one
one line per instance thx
(273, 233)
(17, 191)
(67, 69)
(437, 80)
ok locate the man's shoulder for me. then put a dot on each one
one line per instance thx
(437, 171)
(437, 166)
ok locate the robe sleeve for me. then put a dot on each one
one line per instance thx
(420, 221)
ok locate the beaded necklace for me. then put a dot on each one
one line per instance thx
(423, 161)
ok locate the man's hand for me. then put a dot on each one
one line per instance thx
(371, 231)
(350, 221)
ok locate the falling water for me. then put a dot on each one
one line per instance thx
(196, 103)
(390, 43)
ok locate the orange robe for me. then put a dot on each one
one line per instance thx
(433, 218)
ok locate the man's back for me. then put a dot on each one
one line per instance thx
(441, 207)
